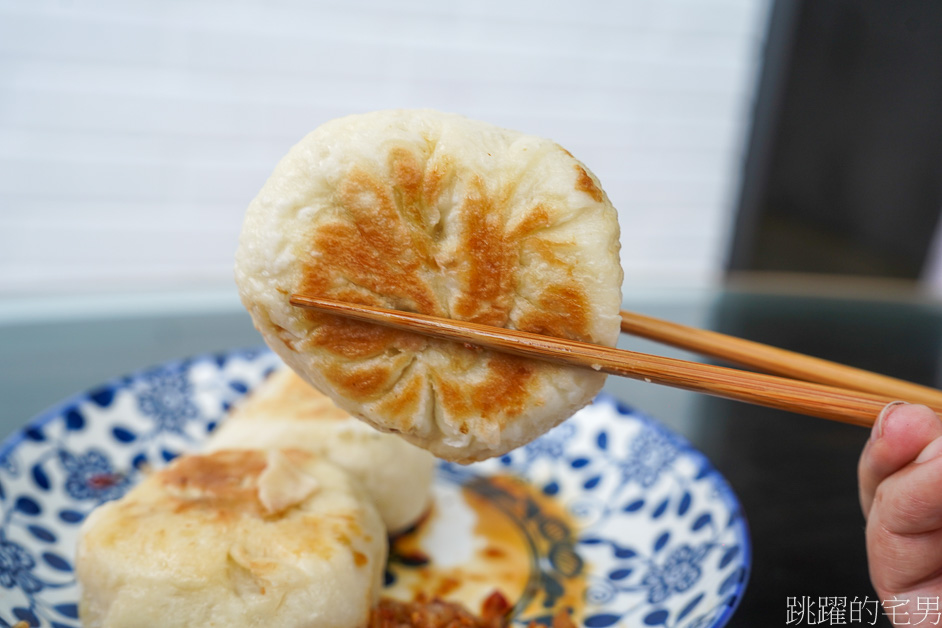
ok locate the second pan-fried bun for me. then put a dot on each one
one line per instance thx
(234, 538)
(434, 213)
(286, 411)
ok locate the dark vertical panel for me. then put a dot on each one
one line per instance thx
(854, 156)
(796, 476)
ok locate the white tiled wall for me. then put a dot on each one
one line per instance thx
(133, 134)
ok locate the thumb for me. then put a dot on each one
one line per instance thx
(899, 434)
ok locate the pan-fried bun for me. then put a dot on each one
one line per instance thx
(234, 538)
(438, 214)
(286, 411)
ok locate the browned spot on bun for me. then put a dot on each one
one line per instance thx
(360, 559)
(585, 183)
(364, 382)
(352, 339)
(453, 398)
(224, 481)
(488, 270)
(503, 392)
(375, 248)
(406, 402)
(408, 178)
(506, 386)
(536, 218)
(415, 199)
(376, 245)
(345, 527)
(562, 313)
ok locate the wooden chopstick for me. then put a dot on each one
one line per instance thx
(812, 399)
(777, 361)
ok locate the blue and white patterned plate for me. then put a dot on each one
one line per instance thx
(642, 527)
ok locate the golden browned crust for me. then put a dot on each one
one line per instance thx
(224, 482)
(586, 184)
(234, 538)
(222, 489)
(436, 214)
(383, 240)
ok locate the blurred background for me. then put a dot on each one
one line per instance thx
(733, 135)
(133, 135)
(787, 151)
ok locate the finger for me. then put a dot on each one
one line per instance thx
(899, 434)
(909, 502)
(904, 533)
(894, 577)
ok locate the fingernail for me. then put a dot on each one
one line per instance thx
(877, 431)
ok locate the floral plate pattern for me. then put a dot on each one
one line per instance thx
(657, 536)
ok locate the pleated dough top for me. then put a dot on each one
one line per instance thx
(438, 214)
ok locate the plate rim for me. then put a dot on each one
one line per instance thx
(50, 413)
(728, 494)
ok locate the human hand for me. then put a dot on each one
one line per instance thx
(900, 481)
